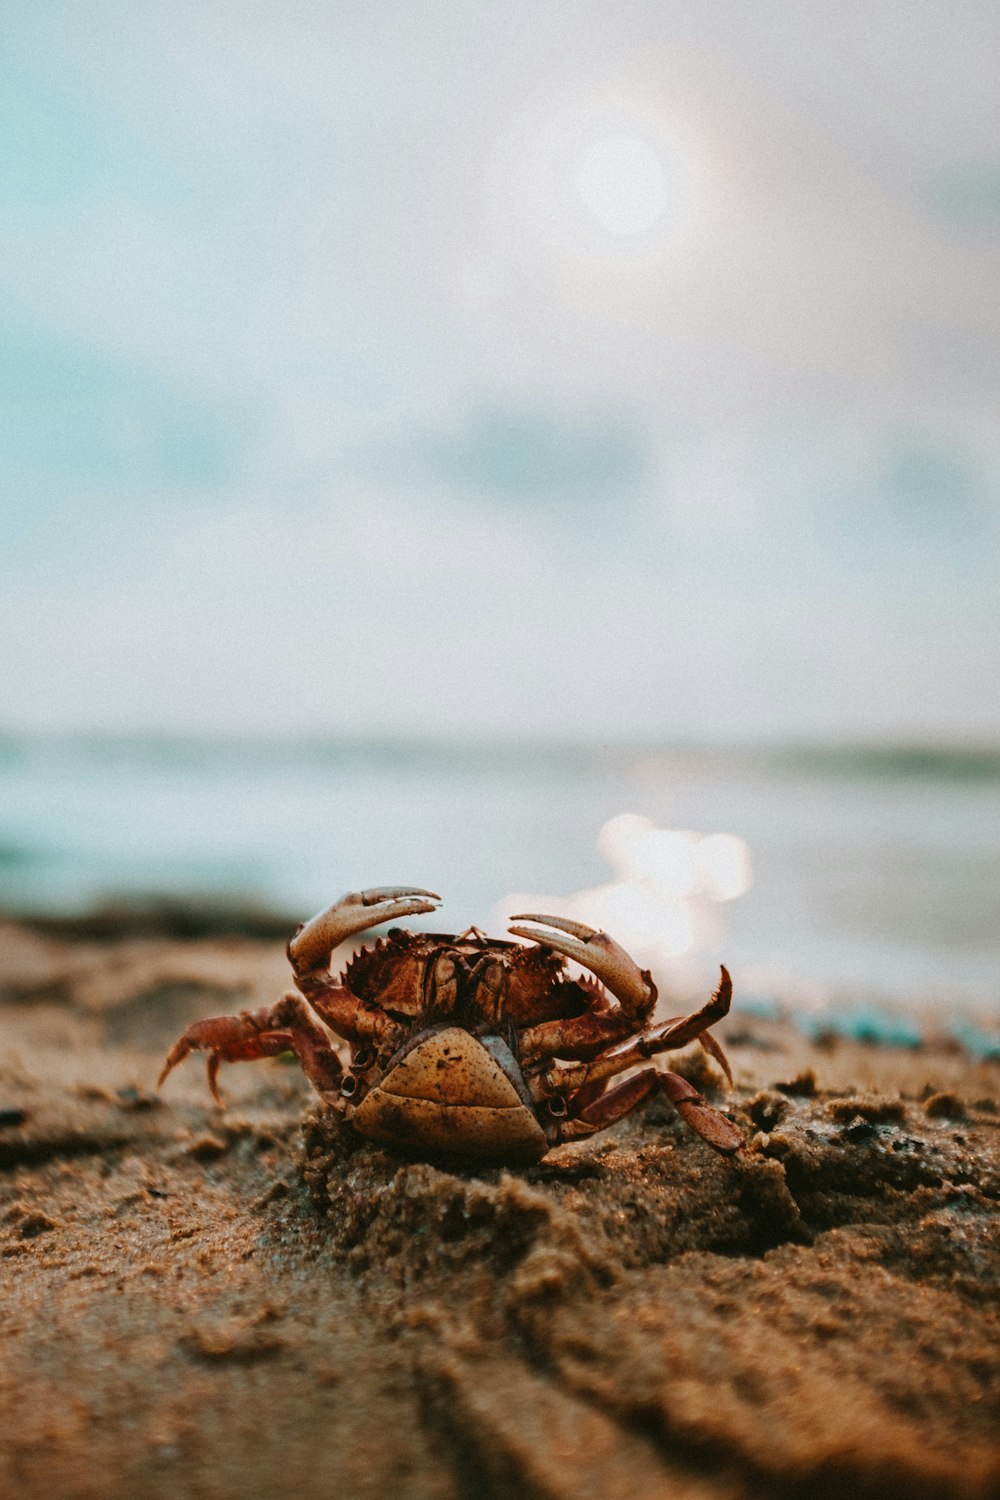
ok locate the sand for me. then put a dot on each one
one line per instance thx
(256, 1303)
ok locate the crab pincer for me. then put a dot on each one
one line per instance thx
(316, 939)
(631, 986)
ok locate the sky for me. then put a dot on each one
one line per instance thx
(551, 369)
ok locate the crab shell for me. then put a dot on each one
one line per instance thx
(397, 973)
(451, 1092)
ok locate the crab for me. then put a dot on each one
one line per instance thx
(467, 1046)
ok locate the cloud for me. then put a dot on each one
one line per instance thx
(524, 456)
(88, 418)
(933, 490)
(94, 448)
(914, 509)
(966, 197)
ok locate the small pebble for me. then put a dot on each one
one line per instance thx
(34, 1223)
(803, 1085)
(206, 1148)
(133, 1098)
(945, 1106)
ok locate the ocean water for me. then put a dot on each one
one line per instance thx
(838, 876)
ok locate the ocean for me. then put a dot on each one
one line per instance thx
(840, 877)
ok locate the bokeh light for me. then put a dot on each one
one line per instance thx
(669, 881)
(620, 182)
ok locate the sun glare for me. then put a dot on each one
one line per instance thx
(668, 883)
(620, 183)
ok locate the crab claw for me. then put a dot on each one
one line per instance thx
(680, 1030)
(631, 986)
(312, 945)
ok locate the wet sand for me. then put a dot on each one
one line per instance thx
(254, 1302)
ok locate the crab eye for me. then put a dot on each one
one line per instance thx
(363, 1057)
(349, 1085)
(557, 1106)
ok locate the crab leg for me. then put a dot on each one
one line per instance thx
(597, 1114)
(253, 1034)
(663, 1038)
(631, 986)
(575, 1038)
(680, 1030)
(310, 948)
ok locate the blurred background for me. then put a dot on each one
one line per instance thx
(544, 452)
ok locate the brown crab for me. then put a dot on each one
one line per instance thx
(470, 1046)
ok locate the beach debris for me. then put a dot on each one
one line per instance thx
(870, 1024)
(978, 1040)
(467, 1046)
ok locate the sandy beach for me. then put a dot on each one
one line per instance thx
(254, 1302)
